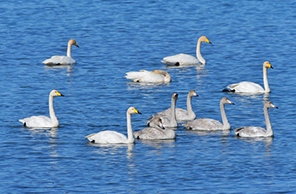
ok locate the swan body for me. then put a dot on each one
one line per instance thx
(155, 131)
(185, 59)
(258, 131)
(167, 120)
(44, 121)
(143, 76)
(211, 124)
(182, 114)
(113, 137)
(251, 87)
(62, 60)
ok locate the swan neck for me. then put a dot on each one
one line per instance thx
(52, 114)
(173, 112)
(198, 54)
(265, 80)
(269, 130)
(130, 138)
(69, 49)
(225, 122)
(189, 105)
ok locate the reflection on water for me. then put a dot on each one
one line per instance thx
(145, 86)
(58, 67)
(205, 133)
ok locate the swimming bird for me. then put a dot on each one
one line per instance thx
(155, 131)
(167, 120)
(211, 124)
(143, 76)
(62, 60)
(113, 137)
(251, 87)
(182, 114)
(185, 59)
(44, 121)
(258, 131)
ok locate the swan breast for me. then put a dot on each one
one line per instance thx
(245, 87)
(180, 60)
(250, 131)
(203, 124)
(107, 137)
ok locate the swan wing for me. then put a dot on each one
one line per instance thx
(250, 132)
(180, 60)
(181, 114)
(59, 60)
(144, 76)
(107, 137)
(37, 121)
(204, 124)
(250, 87)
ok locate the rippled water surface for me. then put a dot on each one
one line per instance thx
(120, 36)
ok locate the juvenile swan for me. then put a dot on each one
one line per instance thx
(211, 124)
(62, 60)
(168, 120)
(44, 121)
(185, 59)
(258, 131)
(143, 76)
(113, 137)
(251, 87)
(155, 131)
(182, 114)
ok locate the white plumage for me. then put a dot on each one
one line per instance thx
(44, 121)
(143, 76)
(62, 60)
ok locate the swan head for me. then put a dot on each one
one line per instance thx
(225, 100)
(204, 39)
(268, 104)
(162, 72)
(267, 65)
(133, 110)
(55, 93)
(192, 93)
(175, 96)
(156, 122)
(73, 42)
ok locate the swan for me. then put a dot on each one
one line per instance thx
(155, 131)
(182, 114)
(185, 59)
(251, 87)
(113, 137)
(258, 131)
(44, 121)
(211, 124)
(62, 60)
(167, 120)
(143, 76)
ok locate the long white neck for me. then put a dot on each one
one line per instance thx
(198, 54)
(53, 117)
(269, 130)
(173, 121)
(130, 138)
(265, 80)
(69, 49)
(189, 106)
(225, 122)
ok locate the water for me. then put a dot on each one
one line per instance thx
(117, 37)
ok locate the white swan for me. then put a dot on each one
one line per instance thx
(155, 131)
(185, 59)
(167, 120)
(143, 76)
(251, 87)
(44, 121)
(258, 131)
(211, 124)
(182, 114)
(62, 60)
(113, 137)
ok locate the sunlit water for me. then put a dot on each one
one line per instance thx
(120, 36)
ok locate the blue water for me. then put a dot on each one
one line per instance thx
(120, 36)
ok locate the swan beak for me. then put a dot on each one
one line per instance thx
(136, 111)
(59, 94)
(269, 65)
(231, 102)
(76, 45)
(207, 40)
